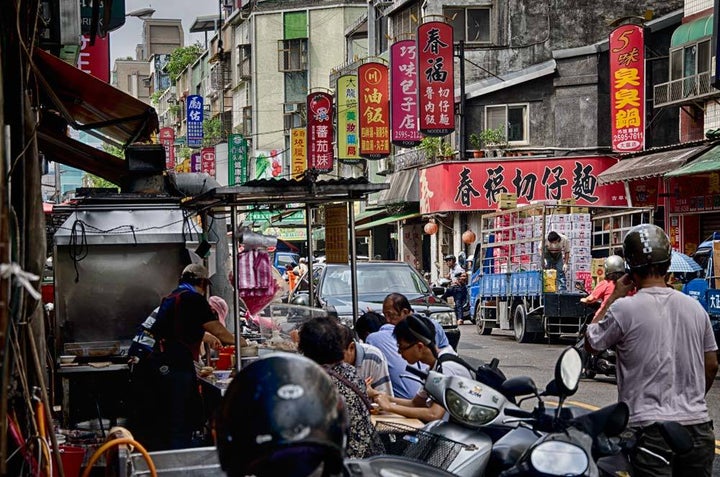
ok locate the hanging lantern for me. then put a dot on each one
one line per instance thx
(431, 228)
(468, 237)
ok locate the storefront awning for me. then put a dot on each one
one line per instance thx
(648, 165)
(88, 104)
(691, 32)
(387, 220)
(707, 162)
(403, 188)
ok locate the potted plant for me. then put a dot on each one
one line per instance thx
(431, 147)
(446, 151)
(476, 144)
(493, 138)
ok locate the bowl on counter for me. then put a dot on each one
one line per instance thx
(67, 358)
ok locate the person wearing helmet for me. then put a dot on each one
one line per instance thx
(281, 415)
(321, 339)
(666, 356)
(557, 256)
(614, 269)
(168, 406)
(416, 343)
(453, 267)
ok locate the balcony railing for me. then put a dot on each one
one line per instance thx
(684, 90)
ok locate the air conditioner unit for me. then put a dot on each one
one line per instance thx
(290, 108)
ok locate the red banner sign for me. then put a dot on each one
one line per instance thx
(374, 107)
(694, 193)
(207, 158)
(95, 59)
(456, 186)
(436, 75)
(320, 132)
(403, 106)
(167, 139)
(627, 88)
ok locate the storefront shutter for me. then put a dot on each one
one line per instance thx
(709, 223)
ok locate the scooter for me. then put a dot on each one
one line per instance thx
(594, 364)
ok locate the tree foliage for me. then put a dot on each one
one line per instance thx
(212, 131)
(181, 58)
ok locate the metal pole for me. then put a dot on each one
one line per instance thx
(461, 109)
(371, 19)
(308, 228)
(353, 262)
(236, 301)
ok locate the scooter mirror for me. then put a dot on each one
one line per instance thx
(567, 371)
(518, 386)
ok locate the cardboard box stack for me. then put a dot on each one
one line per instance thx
(507, 201)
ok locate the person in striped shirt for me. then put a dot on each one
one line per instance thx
(368, 360)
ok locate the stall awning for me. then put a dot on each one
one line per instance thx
(649, 165)
(708, 162)
(89, 104)
(691, 32)
(387, 220)
(403, 188)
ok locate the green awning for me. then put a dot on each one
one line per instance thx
(387, 220)
(708, 162)
(692, 31)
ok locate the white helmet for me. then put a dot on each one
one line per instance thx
(614, 264)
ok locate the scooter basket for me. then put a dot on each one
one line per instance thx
(417, 444)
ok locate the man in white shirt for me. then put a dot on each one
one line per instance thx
(454, 269)
(557, 257)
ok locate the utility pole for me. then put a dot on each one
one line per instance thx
(460, 53)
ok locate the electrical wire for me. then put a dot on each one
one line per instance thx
(78, 250)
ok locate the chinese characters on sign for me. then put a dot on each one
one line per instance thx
(320, 155)
(195, 162)
(95, 59)
(298, 150)
(404, 107)
(347, 118)
(374, 110)
(627, 88)
(194, 120)
(207, 155)
(436, 78)
(237, 159)
(477, 186)
(167, 139)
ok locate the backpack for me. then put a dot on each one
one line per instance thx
(148, 339)
(488, 374)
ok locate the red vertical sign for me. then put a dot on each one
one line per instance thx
(627, 88)
(95, 59)
(320, 133)
(404, 106)
(167, 139)
(207, 160)
(374, 110)
(436, 75)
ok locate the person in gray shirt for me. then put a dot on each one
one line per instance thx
(666, 353)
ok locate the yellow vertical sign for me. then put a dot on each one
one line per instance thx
(298, 149)
(347, 118)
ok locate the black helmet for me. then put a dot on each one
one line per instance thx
(449, 257)
(646, 244)
(282, 415)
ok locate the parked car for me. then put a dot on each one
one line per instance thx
(375, 280)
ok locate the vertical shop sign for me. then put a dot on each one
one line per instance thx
(347, 118)
(95, 59)
(627, 88)
(298, 149)
(237, 159)
(195, 162)
(336, 233)
(207, 160)
(374, 110)
(320, 132)
(436, 78)
(404, 106)
(167, 139)
(194, 115)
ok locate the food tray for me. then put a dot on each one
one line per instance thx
(417, 444)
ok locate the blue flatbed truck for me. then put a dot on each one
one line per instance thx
(705, 287)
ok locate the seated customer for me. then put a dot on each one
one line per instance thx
(321, 340)
(368, 322)
(416, 343)
(369, 362)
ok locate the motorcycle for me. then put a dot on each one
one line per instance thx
(601, 363)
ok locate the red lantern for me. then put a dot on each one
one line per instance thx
(430, 228)
(468, 237)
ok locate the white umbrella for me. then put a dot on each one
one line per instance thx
(681, 263)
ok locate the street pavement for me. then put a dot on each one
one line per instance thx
(538, 362)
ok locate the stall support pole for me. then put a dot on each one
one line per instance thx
(308, 232)
(236, 301)
(353, 261)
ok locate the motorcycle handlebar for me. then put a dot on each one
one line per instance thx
(518, 413)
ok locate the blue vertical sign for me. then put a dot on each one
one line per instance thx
(194, 120)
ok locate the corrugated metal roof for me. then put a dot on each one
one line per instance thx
(649, 165)
(708, 162)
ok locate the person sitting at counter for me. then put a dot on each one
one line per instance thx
(164, 385)
(321, 340)
(416, 343)
(369, 362)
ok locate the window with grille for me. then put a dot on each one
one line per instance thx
(471, 25)
(513, 118)
(292, 55)
(243, 62)
(406, 21)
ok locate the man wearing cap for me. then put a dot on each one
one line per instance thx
(454, 269)
(170, 407)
